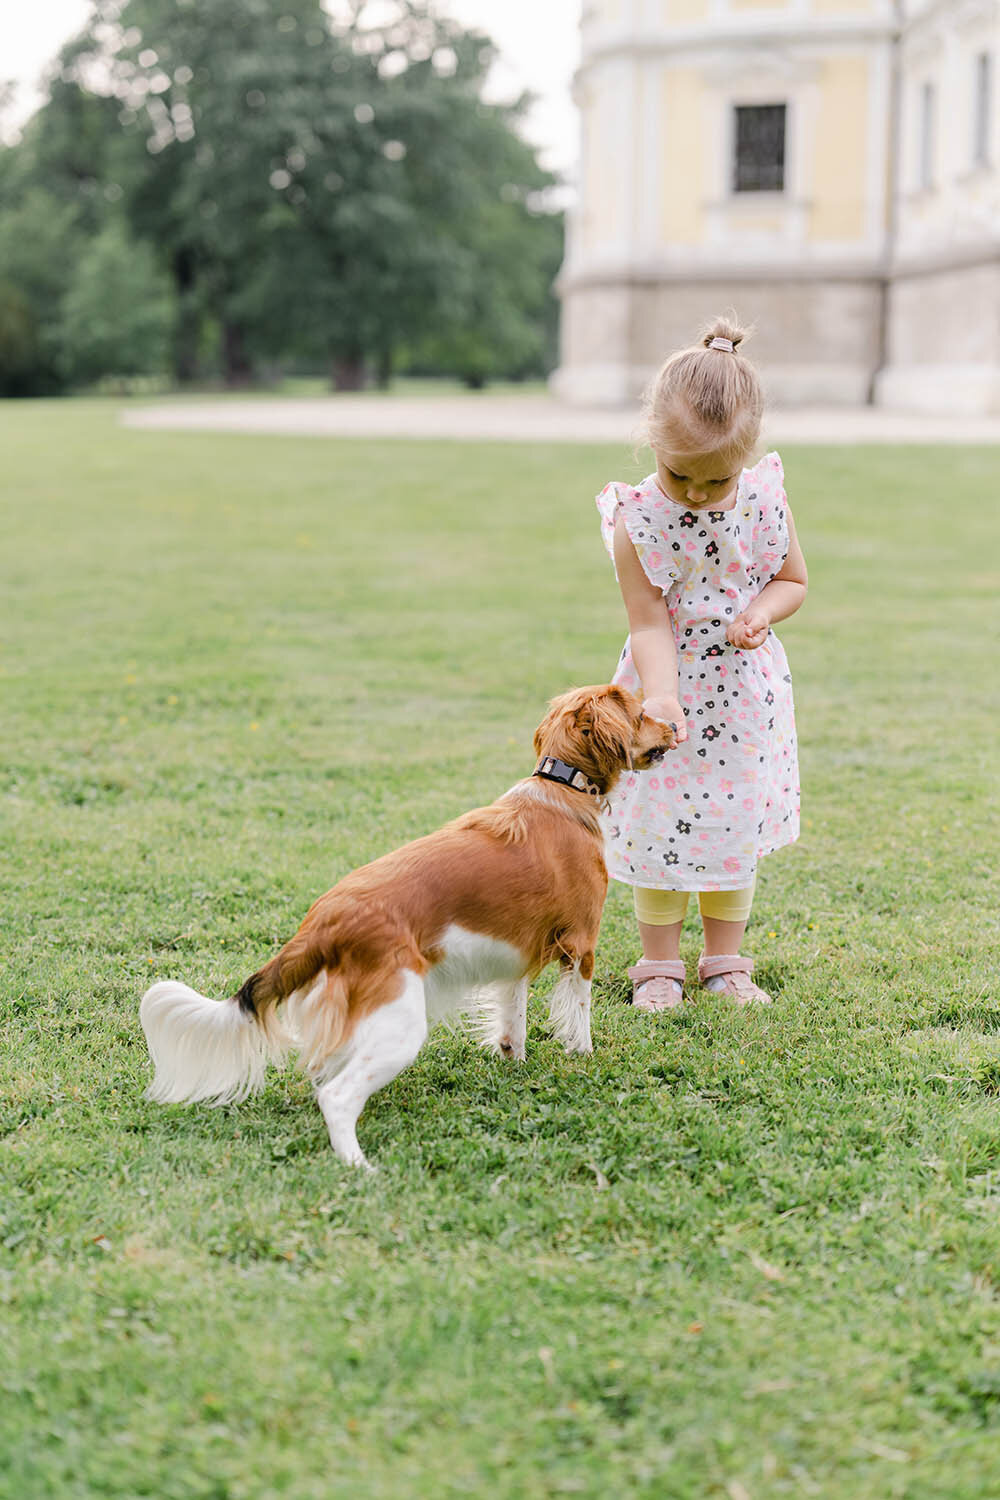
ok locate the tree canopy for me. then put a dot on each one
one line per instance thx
(280, 182)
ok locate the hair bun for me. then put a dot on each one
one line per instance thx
(724, 328)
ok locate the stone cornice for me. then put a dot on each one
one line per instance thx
(906, 266)
(737, 35)
(730, 270)
(861, 268)
(953, 14)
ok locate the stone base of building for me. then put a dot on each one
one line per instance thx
(943, 326)
(785, 385)
(951, 390)
(815, 341)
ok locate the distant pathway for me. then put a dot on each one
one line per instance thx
(529, 419)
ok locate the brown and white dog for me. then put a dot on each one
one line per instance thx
(460, 920)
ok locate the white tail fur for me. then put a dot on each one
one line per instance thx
(202, 1049)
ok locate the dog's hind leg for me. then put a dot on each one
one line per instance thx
(384, 1042)
(503, 1021)
(569, 1004)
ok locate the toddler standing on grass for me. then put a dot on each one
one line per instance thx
(707, 560)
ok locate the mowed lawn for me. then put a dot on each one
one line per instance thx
(735, 1255)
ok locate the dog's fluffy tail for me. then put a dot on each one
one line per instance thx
(204, 1049)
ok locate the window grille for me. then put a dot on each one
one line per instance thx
(759, 155)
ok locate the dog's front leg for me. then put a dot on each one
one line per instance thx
(569, 1006)
(503, 1021)
(513, 1039)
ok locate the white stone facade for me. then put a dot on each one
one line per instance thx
(872, 272)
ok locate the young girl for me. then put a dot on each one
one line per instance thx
(707, 560)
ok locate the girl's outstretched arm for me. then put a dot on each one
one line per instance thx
(654, 650)
(776, 600)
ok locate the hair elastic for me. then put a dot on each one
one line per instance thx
(720, 343)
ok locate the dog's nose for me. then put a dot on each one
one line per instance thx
(657, 752)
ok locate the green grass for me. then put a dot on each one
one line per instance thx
(401, 387)
(730, 1255)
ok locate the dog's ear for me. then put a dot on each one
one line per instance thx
(544, 730)
(631, 704)
(561, 714)
(609, 724)
(616, 694)
(616, 697)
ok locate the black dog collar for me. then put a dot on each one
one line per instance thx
(551, 769)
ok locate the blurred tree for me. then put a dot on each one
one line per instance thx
(39, 239)
(440, 232)
(70, 146)
(330, 187)
(21, 364)
(318, 186)
(213, 94)
(118, 310)
(58, 188)
(501, 317)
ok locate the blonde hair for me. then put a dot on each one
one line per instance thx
(704, 399)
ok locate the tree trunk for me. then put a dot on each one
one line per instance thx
(184, 357)
(237, 368)
(383, 376)
(347, 370)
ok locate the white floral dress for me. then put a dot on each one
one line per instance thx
(730, 794)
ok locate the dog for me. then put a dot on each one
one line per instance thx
(460, 920)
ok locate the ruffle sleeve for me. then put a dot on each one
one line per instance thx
(765, 492)
(645, 528)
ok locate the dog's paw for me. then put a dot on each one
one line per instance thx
(503, 1046)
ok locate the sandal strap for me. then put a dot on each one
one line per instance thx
(723, 963)
(658, 968)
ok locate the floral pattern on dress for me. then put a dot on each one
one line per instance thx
(730, 794)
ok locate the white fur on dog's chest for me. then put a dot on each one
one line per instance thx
(471, 961)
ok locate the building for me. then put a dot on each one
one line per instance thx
(827, 167)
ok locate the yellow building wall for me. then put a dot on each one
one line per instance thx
(684, 165)
(603, 188)
(759, 4)
(683, 12)
(640, 148)
(844, 7)
(745, 223)
(840, 147)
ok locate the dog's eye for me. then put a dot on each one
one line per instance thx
(585, 731)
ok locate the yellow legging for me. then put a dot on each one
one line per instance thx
(662, 908)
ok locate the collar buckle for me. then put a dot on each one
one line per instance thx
(549, 768)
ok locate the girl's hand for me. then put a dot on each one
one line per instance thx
(749, 630)
(667, 711)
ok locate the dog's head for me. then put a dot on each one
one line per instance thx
(602, 731)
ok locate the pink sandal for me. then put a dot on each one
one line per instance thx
(657, 983)
(731, 974)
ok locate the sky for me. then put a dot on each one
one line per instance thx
(537, 39)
